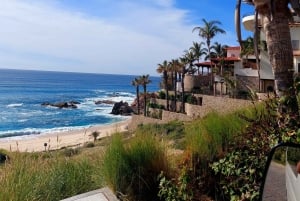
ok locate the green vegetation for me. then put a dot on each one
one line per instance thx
(48, 176)
(131, 169)
(218, 157)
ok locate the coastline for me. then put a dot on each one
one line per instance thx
(57, 140)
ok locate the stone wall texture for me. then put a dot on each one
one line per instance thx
(210, 103)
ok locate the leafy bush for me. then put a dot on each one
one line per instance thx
(132, 169)
(241, 170)
(191, 99)
(170, 190)
(162, 95)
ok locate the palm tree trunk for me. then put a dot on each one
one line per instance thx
(145, 100)
(166, 88)
(280, 50)
(278, 39)
(175, 93)
(138, 99)
(182, 93)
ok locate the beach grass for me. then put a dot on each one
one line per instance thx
(48, 176)
(132, 168)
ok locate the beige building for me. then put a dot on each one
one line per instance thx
(266, 74)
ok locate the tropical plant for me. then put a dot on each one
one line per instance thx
(209, 30)
(136, 83)
(164, 68)
(176, 68)
(198, 50)
(95, 134)
(247, 47)
(183, 71)
(144, 80)
(219, 51)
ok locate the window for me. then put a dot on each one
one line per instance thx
(295, 44)
(298, 67)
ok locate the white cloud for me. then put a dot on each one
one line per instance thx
(43, 35)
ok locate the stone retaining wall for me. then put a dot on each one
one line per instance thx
(210, 103)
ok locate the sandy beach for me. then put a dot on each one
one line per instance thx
(61, 139)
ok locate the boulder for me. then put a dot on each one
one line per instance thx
(121, 108)
(109, 102)
(71, 104)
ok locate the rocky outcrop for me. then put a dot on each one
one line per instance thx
(121, 108)
(70, 104)
(109, 102)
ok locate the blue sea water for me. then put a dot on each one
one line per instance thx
(22, 92)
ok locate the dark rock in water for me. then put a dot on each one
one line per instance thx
(71, 104)
(122, 108)
(74, 102)
(3, 158)
(109, 102)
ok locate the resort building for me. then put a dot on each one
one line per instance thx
(265, 75)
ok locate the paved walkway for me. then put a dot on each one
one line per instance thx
(275, 187)
(103, 194)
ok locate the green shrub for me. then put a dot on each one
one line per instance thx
(71, 151)
(245, 162)
(89, 145)
(132, 169)
(162, 95)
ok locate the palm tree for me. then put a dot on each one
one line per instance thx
(220, 52)
(175, 68)
(95, 134)
(248, 48)
(136, 83)
(190, 58)
(144, 80)
(198, 50)
(275, 22)
(164, 68)
(183, 62)
(208, 32)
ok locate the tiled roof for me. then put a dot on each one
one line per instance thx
(234, 48)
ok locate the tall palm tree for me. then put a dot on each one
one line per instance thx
(198, 50)
(183, 62)
(164, 68)
(275, 22)
(248, 48)
(176, 68)
(144, 80)
(136, 82)
(220, 52)
(190, 58)
(208, 32)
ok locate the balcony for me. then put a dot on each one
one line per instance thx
(248, 22)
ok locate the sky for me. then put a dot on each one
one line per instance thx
(106, 36)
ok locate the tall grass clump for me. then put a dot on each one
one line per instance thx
(210, 136)
(47, 176)
(208, 139)
(131, 169)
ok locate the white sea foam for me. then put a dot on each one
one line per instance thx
(14, 105)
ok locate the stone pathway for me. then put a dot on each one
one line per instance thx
(275, 187)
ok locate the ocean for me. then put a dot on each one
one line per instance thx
(22, 93)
